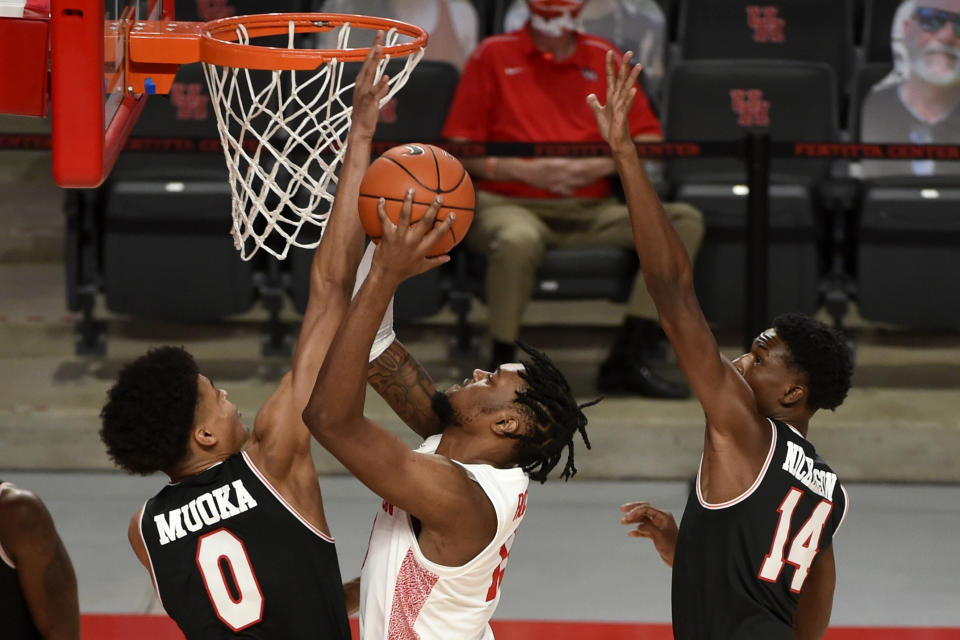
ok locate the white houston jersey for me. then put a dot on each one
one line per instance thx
(404, 596)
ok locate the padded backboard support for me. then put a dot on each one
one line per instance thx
(91, 110)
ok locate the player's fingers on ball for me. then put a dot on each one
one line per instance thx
(434, 207)
(403, 221)
(430, 215)
(439, 229)
(386, 224)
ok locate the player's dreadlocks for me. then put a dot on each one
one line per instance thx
(553, 414)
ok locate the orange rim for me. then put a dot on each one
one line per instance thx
(219, 46)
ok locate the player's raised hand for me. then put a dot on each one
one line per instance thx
(404, 245)
(655, 524)
(368, 92)
(613, 120)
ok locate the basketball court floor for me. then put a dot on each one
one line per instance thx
(573, 572)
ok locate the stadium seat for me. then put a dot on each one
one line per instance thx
(671, 12)
(904, 243)
(809, 30)
(909, 248)
(865, 78)
(857, 12)
(416, 114)
(589, 273)
(155, 238)
(877, 28)
(168, 254)
(723, 100)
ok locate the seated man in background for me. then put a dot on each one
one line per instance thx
(38, 588)
(632, 25)
(922, 108)
(509, 92)
(451, 24)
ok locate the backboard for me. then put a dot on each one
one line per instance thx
(92, 111)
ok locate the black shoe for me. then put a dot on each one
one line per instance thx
(638, 378)
(657, 347)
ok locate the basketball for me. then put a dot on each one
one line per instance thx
(431, 171)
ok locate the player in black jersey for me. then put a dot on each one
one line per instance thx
(753, 558)
(238, 544)
(38, 589)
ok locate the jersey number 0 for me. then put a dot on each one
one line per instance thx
(221, 555)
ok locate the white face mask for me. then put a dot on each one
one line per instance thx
(555, 26)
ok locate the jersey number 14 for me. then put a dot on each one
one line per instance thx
(804, 546)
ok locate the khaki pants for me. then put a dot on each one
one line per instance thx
(514, 233)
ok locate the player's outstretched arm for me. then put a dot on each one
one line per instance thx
(49, 585)
(396, 375)
(407, 387)
(429, 487)
(812, 617)
(650, 522)
(279, 435)
(668, 272)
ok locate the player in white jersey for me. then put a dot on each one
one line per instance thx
(405, 595)
(440, 541)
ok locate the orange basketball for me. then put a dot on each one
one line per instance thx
(430, 171)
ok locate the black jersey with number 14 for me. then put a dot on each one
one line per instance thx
(739, 567)
(232, 559)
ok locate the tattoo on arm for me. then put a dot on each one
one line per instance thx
(407, 388)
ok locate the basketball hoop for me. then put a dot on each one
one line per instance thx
(284, 127)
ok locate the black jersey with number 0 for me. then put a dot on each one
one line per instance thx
(232, 559)
(15, 618)
(739, 567)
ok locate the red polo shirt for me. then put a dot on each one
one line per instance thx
(512, 92)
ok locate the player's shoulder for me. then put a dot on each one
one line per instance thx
(23, 509)
(14, 499)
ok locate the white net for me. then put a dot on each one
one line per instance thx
(283, 135)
